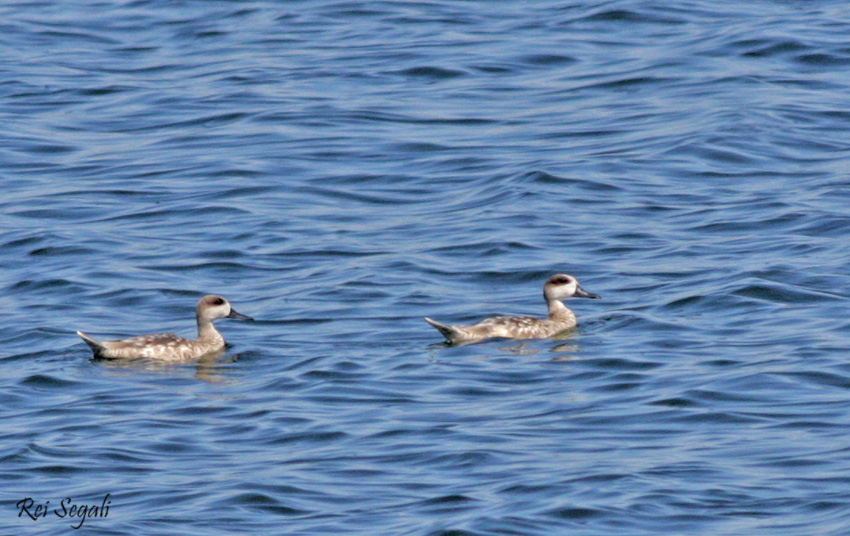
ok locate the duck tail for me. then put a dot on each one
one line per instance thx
(97, 347)
(451, 333)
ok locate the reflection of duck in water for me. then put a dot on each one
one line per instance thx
(558, 287)
(170, 347)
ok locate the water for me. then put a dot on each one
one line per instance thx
(339, 170)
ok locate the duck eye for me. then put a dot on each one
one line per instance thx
(218, 301)
(563, 281)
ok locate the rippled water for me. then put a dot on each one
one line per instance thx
(340, 169)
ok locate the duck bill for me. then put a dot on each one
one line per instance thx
(234, 314)
(581, 293)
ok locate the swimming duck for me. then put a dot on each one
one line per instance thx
(170, 347)
(557, 288)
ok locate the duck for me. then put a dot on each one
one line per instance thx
(558, 287)
(170, 347)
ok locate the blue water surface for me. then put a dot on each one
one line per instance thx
(340, 169)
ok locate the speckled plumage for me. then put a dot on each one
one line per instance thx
(170, 347)
(557, 288)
